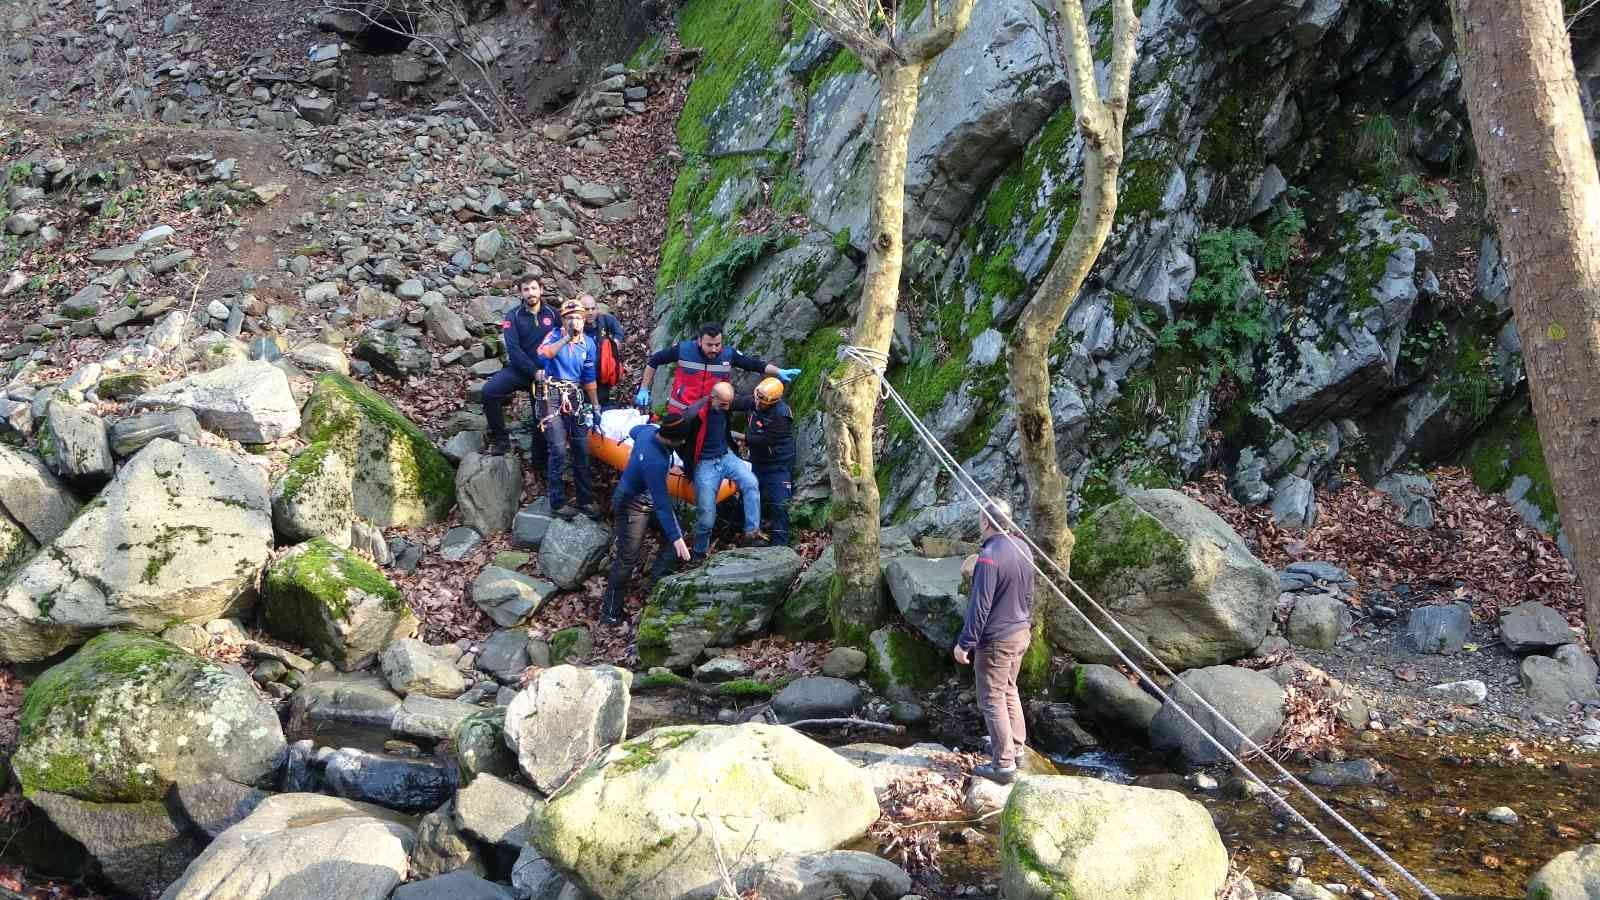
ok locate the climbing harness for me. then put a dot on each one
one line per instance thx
(876, 363)
(569, 396)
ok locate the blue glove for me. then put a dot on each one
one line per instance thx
(642, 398)
(788, 375)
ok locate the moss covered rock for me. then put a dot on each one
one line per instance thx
(650, 821)
(398, 477)
(481, 747)
(338, 604)
(1067, 837)
(1175, 575)
(902, 665)
(733, 596)
(179, 535)
(16, 546)
(314, 498)
(127, 716)
(803, 616)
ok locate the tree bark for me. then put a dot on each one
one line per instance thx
(1100, 122)
(851, 395)
(1544, 195)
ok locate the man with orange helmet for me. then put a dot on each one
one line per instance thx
(770, 438)
(569, 358)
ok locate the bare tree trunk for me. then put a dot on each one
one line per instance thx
(1544, 195)
(851, 394)
(1100, 122)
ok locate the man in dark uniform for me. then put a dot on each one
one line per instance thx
(770, 439)
(523, 330)
(602, 326)
(641, 495)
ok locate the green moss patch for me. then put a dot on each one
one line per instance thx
(356, 419)
(320, 572)
(1120, 537)
(905, 660)
(647, 749)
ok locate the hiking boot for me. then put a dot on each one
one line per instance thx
(696, 557)
(567, 511)
(611, 616)
(499, 445)
(590, 509)
(995, 773)
(750, 539)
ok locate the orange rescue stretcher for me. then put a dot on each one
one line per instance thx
(615, 454)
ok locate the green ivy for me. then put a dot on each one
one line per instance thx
(1224, 317)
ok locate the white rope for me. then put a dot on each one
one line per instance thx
(868, 358)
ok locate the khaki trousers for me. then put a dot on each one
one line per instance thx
(995, 666)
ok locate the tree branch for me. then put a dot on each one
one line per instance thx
(1124, 39)
(1077, 53)
(850, 23)
(940, 34)
(848, 722)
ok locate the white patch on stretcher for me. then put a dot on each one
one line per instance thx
(617, 424)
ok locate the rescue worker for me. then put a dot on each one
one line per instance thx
(994, 638)
(602, 326)
(523, 330)
(569, 359)
(641, 492)
(701, 364)
(718, 461)
(769, 437)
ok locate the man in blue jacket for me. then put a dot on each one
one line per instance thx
(769, 436)
(994, 637)
(523, 330)
(641, 496)
(569, 358)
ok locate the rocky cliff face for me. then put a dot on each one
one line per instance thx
(1300, 277)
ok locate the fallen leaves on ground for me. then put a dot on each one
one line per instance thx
(913, 808)
(1479, 549)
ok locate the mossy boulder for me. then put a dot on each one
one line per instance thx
(398, 477)
(321, 596)
(732, 597)
(652, 820)
(1175, 575)
(1574, 875)
(481, 747)
(123, 385)
(929, 596)
(178, 537)
(16, 545)
(901, 665)
(127, 716)
(1066, 837)
(314, 497)
(804, 613)
(249, 402)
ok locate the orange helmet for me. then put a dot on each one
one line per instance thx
(571, 308)
(768, 392)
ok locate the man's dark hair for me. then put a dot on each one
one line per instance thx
(711, 329)
(675, 429)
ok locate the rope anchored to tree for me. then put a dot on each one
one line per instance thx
(877, 362)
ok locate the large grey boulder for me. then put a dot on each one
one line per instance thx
(1568, 677)
(443, 847)
(1108, 695)
(249, 402)
(1176, 576)
(1065, 836)
(139, 847)
(562, 717)
(321, 596)
(732, 597)
(130, 435)
(314, 498)
(573, 549)
(410, 666)
(33, 496)
(1534, 628)
(531, 523)
(128, 716)
(1574, 875)
(216, 804)
(928, 594)
(508, 597)
(397, 475)
(825, 876)
(480, 745)
(458, 885)
(1250, 700)
(302, 845)
(176, 538)
(653, 820)
(803, 616)
(344, 708)
(1439, 629)
(816, 697)
(489, 489)
(75, 445)
(505, 654)
(16, 546)
(431, 719)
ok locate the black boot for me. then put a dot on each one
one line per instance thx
(499, 445)
(611, 611)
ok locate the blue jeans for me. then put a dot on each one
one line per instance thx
(776, 489)
(708, 477)
(562, 432)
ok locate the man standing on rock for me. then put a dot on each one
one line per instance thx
(523, 330)
(718, 461)
(995, 637)
(702, 364)
(641, 491)
(569, 368)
